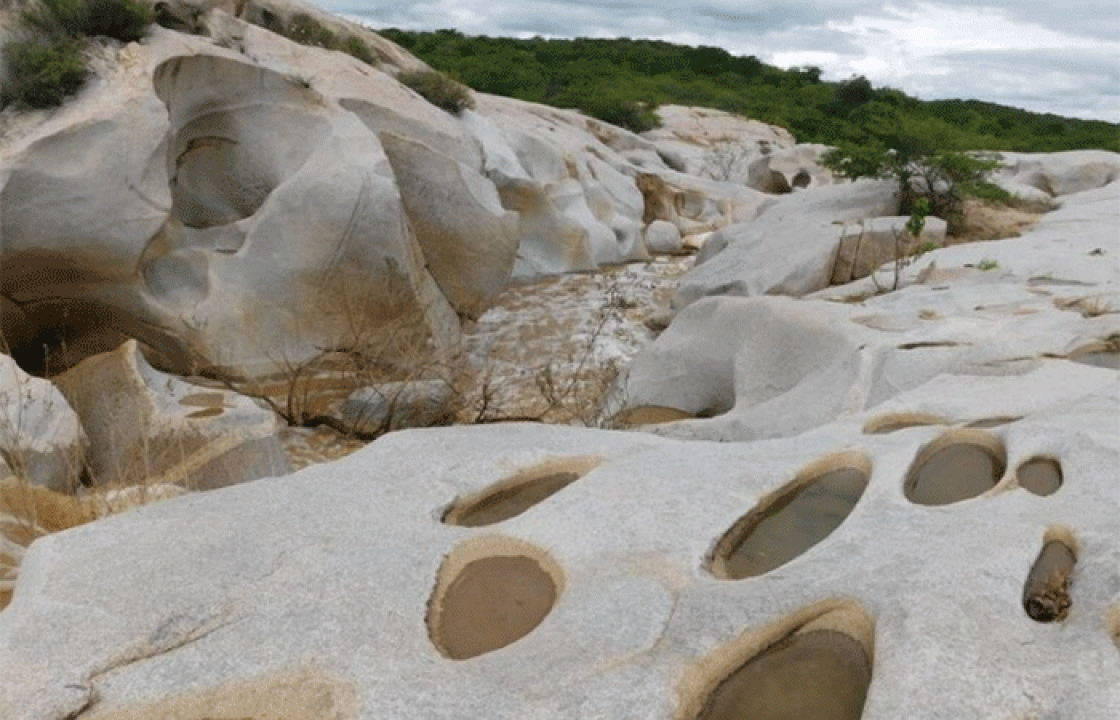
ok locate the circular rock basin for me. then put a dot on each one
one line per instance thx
(511, 497)
(490, 603)
(894, 422)
(993, 421)
(955, 467)
(1040, 475)
(794, 519)
(651, 415)
(816, 675)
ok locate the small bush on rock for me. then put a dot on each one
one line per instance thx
(42, 74)
(122, 20)
(306, 30)
(356, 47)
(45, 66)
(439, 90)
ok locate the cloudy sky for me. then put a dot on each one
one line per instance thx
(1062, 58)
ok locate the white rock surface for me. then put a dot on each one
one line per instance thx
(789, 248)
(41, 439)
(148, 427)
(776, 367)
(663, 237)
(318, 592)
(1058, 174)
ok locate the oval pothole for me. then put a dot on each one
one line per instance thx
(513, 496)
(490, 594)
(651, 415)
(991, 422)
(1046, 593)
(1040, 475)
(1102, 354)
(790, 521)
(893, 422)
(959, 465)
(820, 670)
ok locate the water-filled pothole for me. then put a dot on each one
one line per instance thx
(515, 495)
(1103, 354)
(820, 670)
(1040, 475)
(651, 415)
(490, 594)
(959, 465)
(894, 422)
(792, 520)
(1046, 593)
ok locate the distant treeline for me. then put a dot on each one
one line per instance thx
(622, 81)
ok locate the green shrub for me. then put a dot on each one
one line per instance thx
(306, 30)
(42, 73)
(357, 47)
(941, 178)
(123, 20)
(439, 90)
(56, 19)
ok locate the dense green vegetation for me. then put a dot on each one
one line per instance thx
(306, 30)
(622, 80)
(45, 64)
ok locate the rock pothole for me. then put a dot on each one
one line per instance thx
(959, 465)
(790, 521)
(893, 422)
(819, 670)
(1040, 475)
(1102, 354)
(513, 496)
(491, 593)
(1046, 593)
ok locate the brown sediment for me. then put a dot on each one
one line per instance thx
(651, 415)
(959, 465)
(489, 594)
(300, 695)
(894, 422)
(790, 521)
(515, 495)
(203, 400)
(1040, 475)
(205, 413)
(1046, 593)
(815, 665)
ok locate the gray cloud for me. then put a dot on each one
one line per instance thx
(1064, 61)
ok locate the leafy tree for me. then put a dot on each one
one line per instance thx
(934, 182)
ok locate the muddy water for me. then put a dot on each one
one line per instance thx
(791, 525)
(1046, 595)
(956, 472)
(1109, 360)
(510, 501)
(492, 603)
(818, 675)
(1042, 476)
